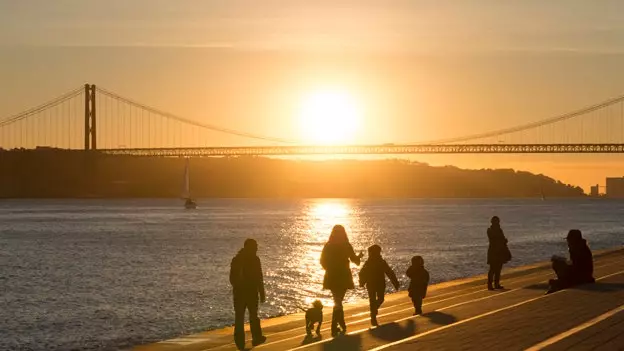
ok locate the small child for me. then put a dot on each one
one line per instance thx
(418, 284)
(373, 276)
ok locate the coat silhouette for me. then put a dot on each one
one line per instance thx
(419, 281)
(335, 260)
(247, 287)
(374, 271)
(498, 253)
(373, 276)
(580, 271)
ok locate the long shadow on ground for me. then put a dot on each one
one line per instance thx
(538, 286)
(598, 287)
(344, 342)
(440, 318)
(388, 332)
(311, 338)
(394, 331)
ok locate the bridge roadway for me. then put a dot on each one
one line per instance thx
(385, 149)
(463, 315)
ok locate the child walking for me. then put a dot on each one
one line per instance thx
(419, 282)
(373, 276)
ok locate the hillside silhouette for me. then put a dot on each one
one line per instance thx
(49, 173)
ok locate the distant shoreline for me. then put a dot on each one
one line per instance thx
(585, 197)
(69, 174)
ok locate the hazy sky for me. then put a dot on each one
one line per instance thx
(408, 25)
(421, 69)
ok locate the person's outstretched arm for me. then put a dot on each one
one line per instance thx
(390, 273)
(363, 275)
(353, 257)
(426, 281)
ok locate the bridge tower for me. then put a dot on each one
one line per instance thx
(90, 132)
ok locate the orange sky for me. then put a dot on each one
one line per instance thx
(421, 70)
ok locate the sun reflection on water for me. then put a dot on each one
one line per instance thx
(330, 209)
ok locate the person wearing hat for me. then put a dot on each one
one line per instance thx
(581, 268)
(248, 289)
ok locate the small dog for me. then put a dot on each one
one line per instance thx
(314, 315)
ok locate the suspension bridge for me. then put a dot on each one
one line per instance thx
(95, 119)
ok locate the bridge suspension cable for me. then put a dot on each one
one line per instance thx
(47, 105)
(211, 127)
(53, 124)
(532, 125)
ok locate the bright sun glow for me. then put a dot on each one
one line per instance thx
(329, 117)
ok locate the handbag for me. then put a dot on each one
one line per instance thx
(506, 254)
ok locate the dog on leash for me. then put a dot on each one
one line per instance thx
(314, 315)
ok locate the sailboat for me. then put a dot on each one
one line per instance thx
(189, 203)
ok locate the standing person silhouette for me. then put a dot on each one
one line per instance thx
(338, 279)
(373, 276)
(419, 281)
(248, 288)
(498, 253)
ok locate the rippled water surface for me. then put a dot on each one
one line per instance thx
(98, 274)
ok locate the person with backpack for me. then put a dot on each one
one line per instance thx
(247, 288)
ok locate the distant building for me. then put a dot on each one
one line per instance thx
(615, 187)
(594, 190)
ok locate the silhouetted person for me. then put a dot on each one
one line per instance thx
(580, 271)
(373, 276)
(338, 279)
(248, 287)
(498, 253)
(418, 284)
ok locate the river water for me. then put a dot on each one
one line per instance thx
(110, 274)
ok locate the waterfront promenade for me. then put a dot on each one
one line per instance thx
(462, 315)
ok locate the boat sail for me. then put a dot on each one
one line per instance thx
(189, 204)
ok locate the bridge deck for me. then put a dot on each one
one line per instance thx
(386, 149)
(462, 315)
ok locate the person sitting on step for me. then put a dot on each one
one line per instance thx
(580, 271)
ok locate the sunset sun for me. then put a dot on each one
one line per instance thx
(329, 117)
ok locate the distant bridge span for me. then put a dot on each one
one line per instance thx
(94, 119)
(375, 150)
